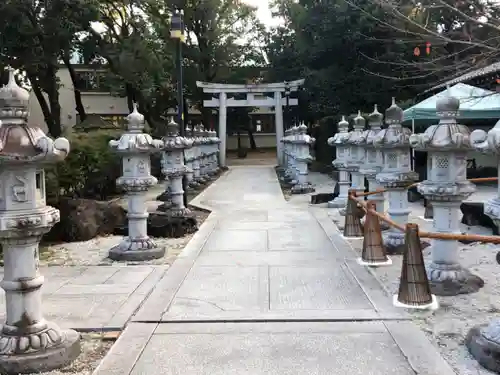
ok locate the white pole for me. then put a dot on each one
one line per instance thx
(413, 132)
(279, 126)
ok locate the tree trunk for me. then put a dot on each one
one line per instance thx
(41, 99)
(253, 145)
(52, 90)
(80, 109)
(52, 120)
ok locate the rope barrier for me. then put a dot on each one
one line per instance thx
(431, 235)
(379, 191)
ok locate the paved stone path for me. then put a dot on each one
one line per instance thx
(97, 298)
(266, 287)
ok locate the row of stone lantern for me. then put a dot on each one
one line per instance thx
(296, 148)
(194, 156)
(202, 158)
(445, 188)
(383, 157)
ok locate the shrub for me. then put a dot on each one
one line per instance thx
(91, 168)
(89, 171)
(327, 128)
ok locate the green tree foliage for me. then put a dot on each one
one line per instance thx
(462, 36)
(333, 46)
(34, 35)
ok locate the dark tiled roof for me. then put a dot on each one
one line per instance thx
(493, 68)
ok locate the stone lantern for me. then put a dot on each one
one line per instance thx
(174, 167)
(356, 154)
(373, 159)
(339, 141)
(196, 149)
(483, 341)
(396, 173)
(28, 343)
(303, 144)
(490, 143)
(136, 148)
(214, 145)
(446, 187)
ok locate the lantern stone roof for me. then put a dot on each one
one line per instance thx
(395, 136)
(359, 122)
(342, 137)
(447, 135)
(375, 123)
(356, 134)
(134, 141)
(394, 114)
(375, 118)
(18, 142)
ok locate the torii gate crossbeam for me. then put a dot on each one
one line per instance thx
(222, 102)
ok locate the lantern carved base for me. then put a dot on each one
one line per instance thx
(483, 342)
(394, 243)
(452, 280)
(338, 202)
(39, 351)
(136, 250)
(194, 184)
(180, 212)
(302, 188)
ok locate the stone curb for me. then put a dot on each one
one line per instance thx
(196, 201)
(160, 299)
(123, 355)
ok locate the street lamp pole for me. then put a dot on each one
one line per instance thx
(287, 96)
(177, 33)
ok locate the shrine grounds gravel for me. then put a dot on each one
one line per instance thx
(95, 251)
(94, 347)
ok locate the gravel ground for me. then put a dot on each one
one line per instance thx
(94, 347)
(94, 252)
(448, 326)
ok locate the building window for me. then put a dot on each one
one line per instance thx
(266, 123)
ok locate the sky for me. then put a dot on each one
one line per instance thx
(263, 12)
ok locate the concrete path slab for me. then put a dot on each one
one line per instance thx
(98, 298)
(268, 263)
(268, 288)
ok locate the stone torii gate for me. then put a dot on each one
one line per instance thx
(223, 101)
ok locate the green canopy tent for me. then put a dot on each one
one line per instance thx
(475, 104)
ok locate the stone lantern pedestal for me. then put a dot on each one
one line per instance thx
(396, 174)
(446, 187)
(289, 175)
(189, 155)
(136, 148)
(196, 150)
(356, 154)
(483, 341)
(489, 143)
(339, 141)
(28, 343)
(214, 147)
(174, 168)
(373, 161)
